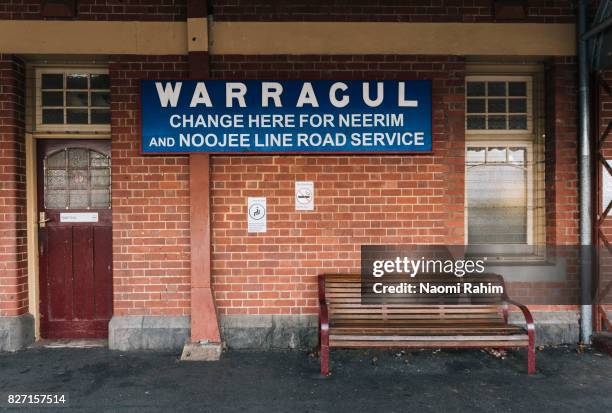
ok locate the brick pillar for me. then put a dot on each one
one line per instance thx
(16, 325)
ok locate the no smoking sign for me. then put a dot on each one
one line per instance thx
(304, 196)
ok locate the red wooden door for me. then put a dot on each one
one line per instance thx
(74, 211)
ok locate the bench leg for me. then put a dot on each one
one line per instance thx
(531, 356)
(531, 359)
(324, 360)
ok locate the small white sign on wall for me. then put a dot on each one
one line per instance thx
(78, 217)
(304, 196)
(257, 214)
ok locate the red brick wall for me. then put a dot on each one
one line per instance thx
(150, 201)
(359, 199)
(154, 10)
(13, 237)
(561, 152)
(540, 11)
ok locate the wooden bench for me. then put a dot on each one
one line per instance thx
(345, 323)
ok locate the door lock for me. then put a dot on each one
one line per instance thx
(42, 221)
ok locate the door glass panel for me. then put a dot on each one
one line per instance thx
(56, 179)
(79, 199)
(78, 158)
(100, 199)
(100, 178)
(55, 199)
(97, 159)
(77, 178)
(57, 160)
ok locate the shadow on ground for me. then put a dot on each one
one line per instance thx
(378, 381)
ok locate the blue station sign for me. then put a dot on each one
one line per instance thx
(289, 116)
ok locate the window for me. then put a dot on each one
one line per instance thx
(504, 172)
(72, 100)
(77, 178)
(498, 104)
(498, 183)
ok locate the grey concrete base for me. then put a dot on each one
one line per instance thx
(16, 332)
(269, 331)
(553, 327)
(280, 332)
(201, 352)
(148, 333)
(300, 332)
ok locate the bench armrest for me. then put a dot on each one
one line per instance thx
(526, 313)
(524, 310)
(323, 313)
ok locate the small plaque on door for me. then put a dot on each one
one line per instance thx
(78, 217)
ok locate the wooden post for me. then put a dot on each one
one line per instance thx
(205, 337)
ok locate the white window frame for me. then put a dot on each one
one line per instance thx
(43, 128)
(508, 78)
(516, 138)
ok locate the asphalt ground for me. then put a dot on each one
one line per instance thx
(100, 380)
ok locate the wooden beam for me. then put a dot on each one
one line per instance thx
(204, 320)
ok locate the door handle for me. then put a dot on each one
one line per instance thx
(42, 221)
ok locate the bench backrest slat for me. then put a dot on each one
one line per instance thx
(344, 301)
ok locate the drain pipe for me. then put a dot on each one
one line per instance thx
(585, 179)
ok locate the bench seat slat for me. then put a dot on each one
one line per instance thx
(429, 344)
(419, 321)
(436, 337)
(399, 317)
(430, 331)
(351, 310)
(374, 328)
